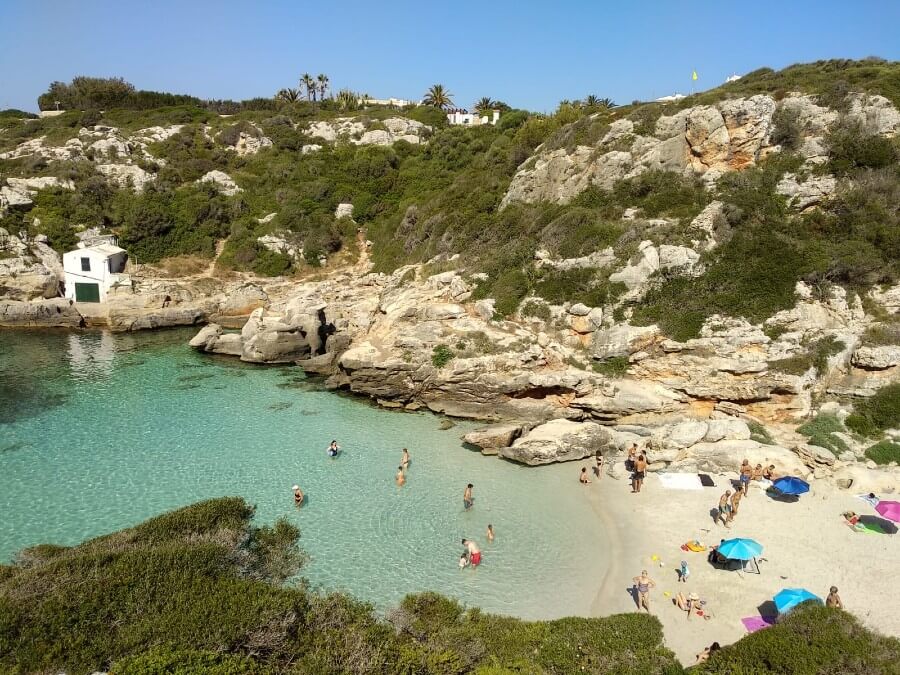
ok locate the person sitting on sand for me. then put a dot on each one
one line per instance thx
(769, 473)
(400, 478)
(640, 470)
(474, 552)
(583, 477)
(724, 513)
(643, 584)
(757, 472)
(746, 473)
(490, 532)
(714, 557)
(405, 461)
(703, 656)
(298, 495)
(468, 499)
(833, 599)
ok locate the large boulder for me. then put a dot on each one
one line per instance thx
(491, 439)
(559, 441)
(52, 313)
(877, 358)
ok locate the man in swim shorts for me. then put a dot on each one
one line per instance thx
(643, 584)
(746, 474)
(474, 552)
(724, 513)
(468, 500)
(640, 470)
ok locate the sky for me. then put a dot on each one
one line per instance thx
(528, 53)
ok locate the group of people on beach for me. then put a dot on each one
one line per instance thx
(729, 502)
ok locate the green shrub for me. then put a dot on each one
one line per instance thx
(615, 366)
(876, 413)
(820, 431)
(535, 309)
(786, 130)
(441, 355)
(810, 640)
(884, 452)
(815, 356)
(882, 334)
(850, 148)
(759, 433)
(165, 660)
(586, 285)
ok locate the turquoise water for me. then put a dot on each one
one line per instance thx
(100, 431)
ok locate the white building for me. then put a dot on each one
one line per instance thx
(394, 102)
(462, 116)
(732, 78)
(92, 271)
(669, 99)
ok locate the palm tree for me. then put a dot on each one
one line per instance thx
(606, 103)
(592, 101)
(307, 82)
(438, 97)
(288, 95)
(323, 85)
(484, 105)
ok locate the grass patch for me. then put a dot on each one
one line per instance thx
(759, 433)
(816, 356)
(441, 355)
(884, 452)
(535, 309)
(614, 366)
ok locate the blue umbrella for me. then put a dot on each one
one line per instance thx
(791, 485)
(788, 598)
(740, 549)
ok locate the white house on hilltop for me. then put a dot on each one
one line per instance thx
(462, 116)
(91, 271)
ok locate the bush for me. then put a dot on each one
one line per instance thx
(884, 452)
(759, 433)
(816, 356)
(535, 309)
(876, 413)
(166, 660)
(441, 355)
(820, 432)
(586, 285)
(786, 130)
(615, 366)
(850, 148)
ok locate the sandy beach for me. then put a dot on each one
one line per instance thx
(805, 544)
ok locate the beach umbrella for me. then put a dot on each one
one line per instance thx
(890, 510)
(791, 485)
(788, 598)
(740, 549)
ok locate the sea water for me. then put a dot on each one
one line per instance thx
(99, 431)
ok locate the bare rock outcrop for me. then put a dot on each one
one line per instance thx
(560, 441)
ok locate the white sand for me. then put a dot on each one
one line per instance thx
(805, 544)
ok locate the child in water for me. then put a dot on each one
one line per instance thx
(490, 532)
(463, 560)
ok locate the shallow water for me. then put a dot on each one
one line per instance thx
(100, 431)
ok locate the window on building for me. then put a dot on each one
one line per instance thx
(85, 264)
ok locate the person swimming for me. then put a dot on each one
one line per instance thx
(400, 478)
(405, 461)
(490, 532)
(298, 495)
(333, 449)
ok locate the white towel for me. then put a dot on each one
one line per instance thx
(680, 481)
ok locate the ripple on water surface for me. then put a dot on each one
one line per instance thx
(100, 431)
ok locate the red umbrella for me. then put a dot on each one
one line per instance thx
(890, 510)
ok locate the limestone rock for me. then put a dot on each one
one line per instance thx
(875, 114)
(243, 300)
(223, 182)
(126, 175)
(344, 210)
(678, 260)
(491, 439)
(635, 275)
(559, 441)
(806, 194)
(877, 358)
(726, 429)
(687, 433)
(52, 313)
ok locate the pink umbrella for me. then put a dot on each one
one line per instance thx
(890, 510)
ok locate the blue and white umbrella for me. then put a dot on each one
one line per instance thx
(790, 485)
(740, 549)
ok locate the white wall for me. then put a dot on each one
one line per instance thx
(99, 273)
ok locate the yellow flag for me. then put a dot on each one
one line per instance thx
(694, 75)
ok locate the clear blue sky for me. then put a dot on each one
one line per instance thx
(529, 53)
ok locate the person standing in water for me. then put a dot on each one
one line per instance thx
(401, 479)
(640, 470)
(474, 552)
(405, 461)
(468, 499)
(490, 533)
(298, 495)
(333, 449)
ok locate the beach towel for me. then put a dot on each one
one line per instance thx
(694, 546)
(755, 623)
(680, 481)
(706, 480)
(871, 528)
(869, 500)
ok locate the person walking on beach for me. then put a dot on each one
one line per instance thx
(474, 552)
(400, 478)
(746, 474)
(298, 495)
(405, 461)
(632, 456)
(833, 599)
(583, 477)
(724, 513)
(643, 584)
(468, 499)
(640, 470)
(598, 470)
(735, 503)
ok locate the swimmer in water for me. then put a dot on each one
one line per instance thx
(333, 449)
(401, 479)
(490, 532)
(298, 495)
(405, 461)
